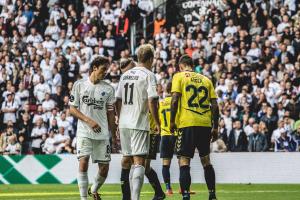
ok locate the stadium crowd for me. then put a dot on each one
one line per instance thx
(250, 49)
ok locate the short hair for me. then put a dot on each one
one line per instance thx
(186, 60)
(145, 53)
(98, 61)
(124, 62)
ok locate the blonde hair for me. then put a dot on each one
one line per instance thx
(145, 53)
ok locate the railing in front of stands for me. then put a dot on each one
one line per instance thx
(144, 27)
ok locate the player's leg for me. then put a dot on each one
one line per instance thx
(140, 148)
(125, 186)
(126, 163)
(203, 147)
(137, 174)
(101, 155)
(84, 150)
(166, 175)
(166, 153)
(149, 172)
(185, 148)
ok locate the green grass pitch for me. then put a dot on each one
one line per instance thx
(112, 192)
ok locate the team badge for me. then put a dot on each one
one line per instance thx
(72, 98)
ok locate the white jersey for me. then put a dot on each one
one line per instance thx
(136, 86)
(92, 100)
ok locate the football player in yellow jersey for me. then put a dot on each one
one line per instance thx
(168, 140)
(194, 102)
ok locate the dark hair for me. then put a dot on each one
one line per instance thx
(186, 60)
(125, 62)
(97, 62)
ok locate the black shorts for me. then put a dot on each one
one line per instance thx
(167, 146)
(154, 146)
(190, 138)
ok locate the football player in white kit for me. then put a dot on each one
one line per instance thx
(136, 95)
(92, 102)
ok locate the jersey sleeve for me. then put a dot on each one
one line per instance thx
(75, 95)
(176, 84)
(111, 100)
(212, 92)
(151, 86)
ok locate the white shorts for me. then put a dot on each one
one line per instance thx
(134, 142)
(99, 150)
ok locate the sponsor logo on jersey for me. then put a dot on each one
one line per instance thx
(98, 104)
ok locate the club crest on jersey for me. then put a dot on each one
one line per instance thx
(98, 104)
(72, 98)
(187, 75)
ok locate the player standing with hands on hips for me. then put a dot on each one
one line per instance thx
(137, 95)
(92, 102)
(195, 102)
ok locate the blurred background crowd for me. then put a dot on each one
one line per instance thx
(250, 49)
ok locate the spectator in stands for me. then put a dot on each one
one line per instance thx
(285, 143)
(36, 136)
(61, 139)
(49, 145)
(237, 141)
(257, 141)
(24, 133)
(158, 23)
(13, 147)
(9, 108)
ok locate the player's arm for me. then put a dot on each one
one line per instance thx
(176, 95)
(79, 115)
(111, 117)
(74, 111)
(174, 107)
(153, 99)
(153, 107)
(118, 107)
(214, 112)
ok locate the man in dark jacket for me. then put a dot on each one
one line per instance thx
(237, 139)
(133, 11)
(257, 141)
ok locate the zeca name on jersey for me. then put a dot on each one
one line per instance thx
(98, 104)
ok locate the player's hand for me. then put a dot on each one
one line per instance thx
(96, 128)
(157, 129)
(173, 128)
(214, 133)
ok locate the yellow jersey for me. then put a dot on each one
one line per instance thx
(164, 116)
(152, 124)
(194, 107)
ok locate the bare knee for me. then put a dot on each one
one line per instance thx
(166, 162)
(184, 161)
(83, 163)
(103, 169)
(205, 160)
(126, 162)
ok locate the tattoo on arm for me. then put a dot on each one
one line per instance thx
(215, 113)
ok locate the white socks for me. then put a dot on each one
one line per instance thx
(136, 181)
(83, 184)
(98, 182)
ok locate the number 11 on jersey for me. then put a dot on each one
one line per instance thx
(128, 87)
